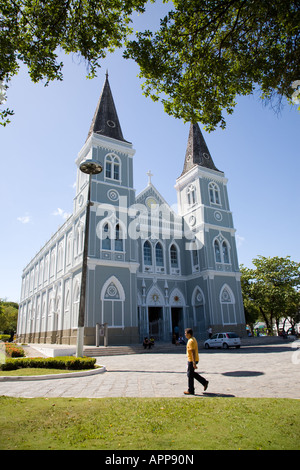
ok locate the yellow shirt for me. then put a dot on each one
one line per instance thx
(192, 345)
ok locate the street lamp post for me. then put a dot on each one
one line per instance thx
(89, 167)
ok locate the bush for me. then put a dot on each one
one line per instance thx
(64, 363)
(4, 337)
(12, 350)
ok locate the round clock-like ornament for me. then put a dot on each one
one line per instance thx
(111, 123)
(192, 220)
(113, 195)
(218, 216)
(151, 202)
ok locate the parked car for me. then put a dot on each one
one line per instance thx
(223, 340)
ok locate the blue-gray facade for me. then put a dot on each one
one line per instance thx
(150, 269)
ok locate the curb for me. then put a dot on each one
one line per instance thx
(82, 373)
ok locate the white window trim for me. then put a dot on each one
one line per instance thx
(220, 240)
(174, 270)
(113, 280)
(148, 268)
(115, 159)
(231, 302)
(160, 269)
(212, 185)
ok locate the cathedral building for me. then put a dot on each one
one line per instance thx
(150, 270)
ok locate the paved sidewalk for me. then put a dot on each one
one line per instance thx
(252, 371)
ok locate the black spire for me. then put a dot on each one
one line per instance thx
(105, 121)
(197, 152)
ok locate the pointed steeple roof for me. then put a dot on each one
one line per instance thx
(105, 121)
(197, 152)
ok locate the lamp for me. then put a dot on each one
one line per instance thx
(89, 167)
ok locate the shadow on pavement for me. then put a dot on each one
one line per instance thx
(243, 373)
(249, 350)
(213, 395)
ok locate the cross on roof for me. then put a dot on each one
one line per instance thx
(149, 176)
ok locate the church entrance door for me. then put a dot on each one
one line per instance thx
(156, 322)
(177, 322)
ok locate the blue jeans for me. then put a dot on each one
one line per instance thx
(193, 375)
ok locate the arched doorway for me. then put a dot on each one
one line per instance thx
(198, 303)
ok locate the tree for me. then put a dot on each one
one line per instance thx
(205, 53)
(252, 312)
(32, 31)
(292, 308)
(8, 317)
(271, 287)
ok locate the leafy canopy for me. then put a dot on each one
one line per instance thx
(33, 31)
(205, 53)
(272, 288)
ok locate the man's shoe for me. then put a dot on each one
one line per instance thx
(206, 385)
(188, 393)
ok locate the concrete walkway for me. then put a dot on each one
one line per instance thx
(271, 370)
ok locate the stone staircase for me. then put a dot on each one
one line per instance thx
(159, 348)
(168, 348)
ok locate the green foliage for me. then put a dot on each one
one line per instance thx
(34, 31)
(271, 288)
(64, 362)
(204, 54)
(8, 316)
(12, 350)
(207, 52)
(4, 337)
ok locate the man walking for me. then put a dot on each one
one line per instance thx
(193, 358)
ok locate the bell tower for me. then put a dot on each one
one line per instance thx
(208, 226)
(112, 258)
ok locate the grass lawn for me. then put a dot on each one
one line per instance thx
(149, 423)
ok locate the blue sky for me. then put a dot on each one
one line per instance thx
(258, 151)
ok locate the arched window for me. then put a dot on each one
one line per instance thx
(112, 167)
(60, 257)
(112, 303)
(225, 252)
(227, 302)
(174, 256)
(221, 248)
(198, 304)
(74, 321)
(214, 193)
(106, 237)
(67, 301)
(52, 263)
(217, 252)
(147, 254)
(195, 258)
(159, 256)
(46, 269)
(118, 239)
(191, 194)
(79, 239)
(41, 271)
(69, 247)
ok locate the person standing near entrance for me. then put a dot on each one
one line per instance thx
(193, 359)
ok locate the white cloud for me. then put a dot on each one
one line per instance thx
(239, 240)
(25, 219)
(61, 213)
